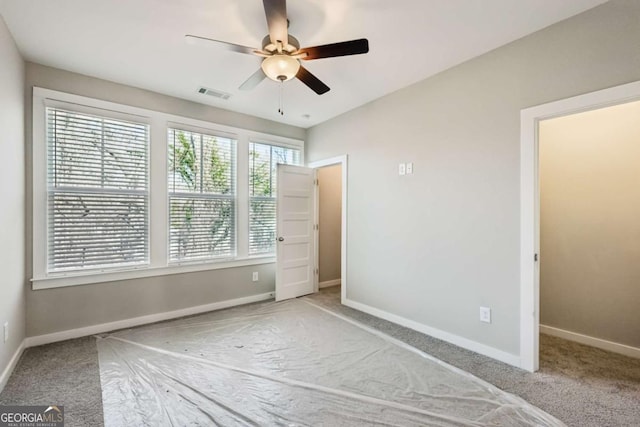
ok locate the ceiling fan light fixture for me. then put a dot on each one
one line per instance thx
(282, 53)
(280, 67)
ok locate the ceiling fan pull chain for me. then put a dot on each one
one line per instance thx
(280, 99)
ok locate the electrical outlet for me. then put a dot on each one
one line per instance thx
(255, 276)
(409, 168)
(402, 169)
(485, 314)
(6, 331)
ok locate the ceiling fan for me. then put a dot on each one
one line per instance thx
(282, 53)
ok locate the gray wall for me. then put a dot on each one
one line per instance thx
(330, 221)
(590, 223)
(12, 173)
(436, 245)
(60, 309)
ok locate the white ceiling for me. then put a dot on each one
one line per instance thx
(141, 43)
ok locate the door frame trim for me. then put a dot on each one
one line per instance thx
(530, 204)
(343, 161)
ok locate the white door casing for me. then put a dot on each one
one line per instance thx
(342, 161)
(530, 204)
(295, 246)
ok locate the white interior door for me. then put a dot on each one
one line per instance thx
(295, 266)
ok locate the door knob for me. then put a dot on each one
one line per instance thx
(280, 239)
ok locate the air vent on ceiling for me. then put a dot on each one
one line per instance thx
(214, 93)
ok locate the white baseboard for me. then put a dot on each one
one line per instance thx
(142, 320)
(591, 341)
(329, 283)
(4, 378)
(477, 347)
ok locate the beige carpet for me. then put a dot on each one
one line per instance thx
(580, 385)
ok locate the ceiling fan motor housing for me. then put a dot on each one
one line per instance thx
(290, 47)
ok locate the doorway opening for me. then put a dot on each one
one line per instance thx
(329, 213)
(589, 228)
(332, 174)
(532, 127)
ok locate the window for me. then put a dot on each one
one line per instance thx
(97, 191)
(263, 161)
(122, 192)
(202, 192)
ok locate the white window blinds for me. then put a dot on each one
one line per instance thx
(263, 162)
(202, 196)
(97, 191)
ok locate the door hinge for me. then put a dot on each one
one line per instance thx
(535, 258)
(316, 182)
(316, 271)
(316, 227)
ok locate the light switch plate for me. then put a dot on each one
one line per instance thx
(485, 314)
(409, 168)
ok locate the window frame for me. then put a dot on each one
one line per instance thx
(207, 132)
(158, 123)
(95, 190)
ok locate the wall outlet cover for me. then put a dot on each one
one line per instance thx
(402, 169)
(255, 276)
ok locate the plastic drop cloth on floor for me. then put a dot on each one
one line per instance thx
(290, 363)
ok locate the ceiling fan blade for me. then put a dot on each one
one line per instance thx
(276, 12)
(312, 81)
(254, 80)
(352, 47)
(191, 39)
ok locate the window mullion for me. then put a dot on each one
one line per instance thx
(158, 201)
(242, 191)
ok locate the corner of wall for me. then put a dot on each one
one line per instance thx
(12, 216)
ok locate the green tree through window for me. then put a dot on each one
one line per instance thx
(201, 196)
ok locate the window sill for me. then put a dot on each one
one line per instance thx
(78, 279)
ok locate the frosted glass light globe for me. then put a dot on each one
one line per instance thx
(280, 68)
